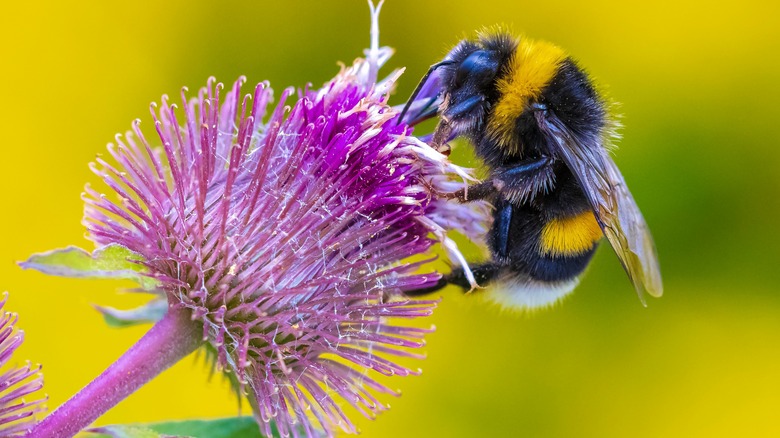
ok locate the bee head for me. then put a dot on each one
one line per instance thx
(469, 78)
(461, 88)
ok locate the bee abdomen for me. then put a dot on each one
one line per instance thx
(565, 247)
(522, 293)
(569, 236)
(547, 268)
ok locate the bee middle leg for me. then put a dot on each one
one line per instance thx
(517, 182)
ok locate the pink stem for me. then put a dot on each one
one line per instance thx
(170, 340)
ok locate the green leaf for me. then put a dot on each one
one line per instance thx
(110, 261)
(150, 312)
(234, 427)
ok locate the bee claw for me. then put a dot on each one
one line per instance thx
(474, 286)
(443, 149)
(438, 193)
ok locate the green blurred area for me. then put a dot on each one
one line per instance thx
(699, 93)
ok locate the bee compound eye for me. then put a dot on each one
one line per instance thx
(479, 67)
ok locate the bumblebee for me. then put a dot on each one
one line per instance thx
(538, 123)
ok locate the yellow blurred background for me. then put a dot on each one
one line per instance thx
(698, 83)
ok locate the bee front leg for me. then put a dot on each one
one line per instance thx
(441, 135)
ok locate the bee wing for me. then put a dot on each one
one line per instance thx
(612, 203)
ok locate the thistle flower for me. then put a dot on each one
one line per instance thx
(283, 239)
(285, 234)
(16, 383)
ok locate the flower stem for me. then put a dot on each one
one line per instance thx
(168, 341)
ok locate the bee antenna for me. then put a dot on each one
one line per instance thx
(420, 86)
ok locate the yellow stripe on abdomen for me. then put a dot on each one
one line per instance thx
(532, 67)
(570, 236)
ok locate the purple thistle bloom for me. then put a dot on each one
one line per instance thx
(17, 416)
(285, 232)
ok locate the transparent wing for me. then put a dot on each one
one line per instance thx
(614, 207)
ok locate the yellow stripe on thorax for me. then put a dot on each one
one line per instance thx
(531, 68)
(570, 236)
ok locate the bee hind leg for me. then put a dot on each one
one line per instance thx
(484, 274)
(428, 290)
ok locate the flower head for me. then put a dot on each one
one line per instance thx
(287, 232)
(16, 383)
